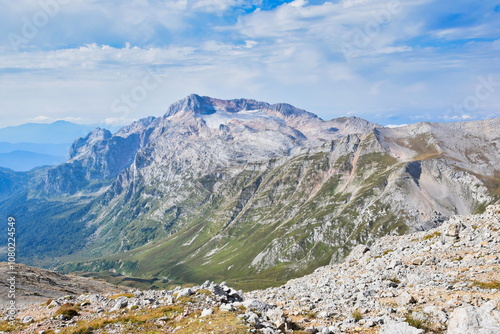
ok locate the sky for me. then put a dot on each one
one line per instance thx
(111, 62)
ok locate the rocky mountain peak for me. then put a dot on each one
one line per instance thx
(194, 103)
(90, 139)
(204, 105)
(287, 110)
(216, 112)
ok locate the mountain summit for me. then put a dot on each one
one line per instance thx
(245, 191)
(206, 105)
(216, 112)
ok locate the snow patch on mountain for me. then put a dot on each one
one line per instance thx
(215, 120)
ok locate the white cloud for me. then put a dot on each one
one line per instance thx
(214, 5)
(298, 3)
(42, 119)
(293, 53)
(395, 125)
(92, 56)
(250, 44)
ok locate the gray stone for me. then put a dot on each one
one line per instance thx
(404, 299)
(277, 317)
(185, 293)
(256, 305)
(394, 327)
(27, 320)
(120, 303)
(473, 320)
(207, 312)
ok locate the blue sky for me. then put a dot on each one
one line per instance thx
(110, 62)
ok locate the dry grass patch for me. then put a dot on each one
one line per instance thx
(432, 235)
(135, 322)
(223, 323)
(147, 321)
(69, 310)
(9, 326)
(487, 285)
(128, 295)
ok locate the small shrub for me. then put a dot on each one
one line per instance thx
(393, 280)
(432, 235)
(387, 251)
(310, 314)
(68, 310)
(7, 326)
(417, 323)
(357, 315)
(128, 295)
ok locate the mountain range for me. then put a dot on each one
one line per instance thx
(245, 191)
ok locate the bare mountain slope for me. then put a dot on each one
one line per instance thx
(36, 286)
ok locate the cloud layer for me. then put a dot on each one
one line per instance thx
(390, 61)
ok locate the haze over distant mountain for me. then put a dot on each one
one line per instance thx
(25, 160)
(245, 191)
(59, 132)
(31, 145)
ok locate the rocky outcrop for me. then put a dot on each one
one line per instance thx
(36, 285)
(421, 282)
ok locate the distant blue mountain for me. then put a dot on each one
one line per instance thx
(60, 132)
(50, 149)
(30, 145)
(23, 160)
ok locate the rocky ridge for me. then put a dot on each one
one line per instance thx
(445, 280)
(36, 285)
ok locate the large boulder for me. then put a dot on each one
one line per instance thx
(394, 327)
(475, 320)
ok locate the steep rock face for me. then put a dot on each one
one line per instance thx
(94, 161)
(255, 192)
